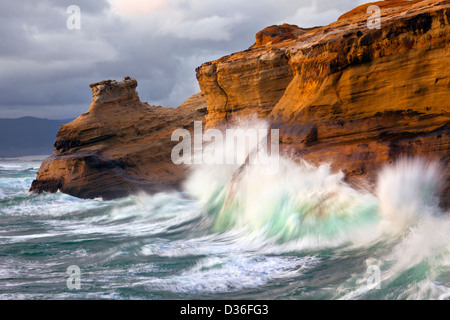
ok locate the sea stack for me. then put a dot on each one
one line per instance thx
(121, 146)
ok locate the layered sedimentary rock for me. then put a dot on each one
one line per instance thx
(348, 94)
(119, 147)
(244, 84)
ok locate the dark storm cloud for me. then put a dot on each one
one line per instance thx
(46, 68)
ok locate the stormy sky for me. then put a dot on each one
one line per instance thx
(46, 68)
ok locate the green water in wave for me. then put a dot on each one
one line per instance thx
(169, 246)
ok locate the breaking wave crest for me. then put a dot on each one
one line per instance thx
(305, 207)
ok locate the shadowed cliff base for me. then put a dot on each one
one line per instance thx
(345, 94)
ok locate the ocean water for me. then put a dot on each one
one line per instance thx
(300, 234)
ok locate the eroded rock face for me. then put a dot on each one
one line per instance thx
(245, 83)
(119, 147)
(344, 93)
(109, 91)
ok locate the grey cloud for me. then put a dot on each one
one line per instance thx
(47, 69)
(89, 6)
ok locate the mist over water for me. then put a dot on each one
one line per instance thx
(301, 233)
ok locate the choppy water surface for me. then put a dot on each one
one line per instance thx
(301, 234)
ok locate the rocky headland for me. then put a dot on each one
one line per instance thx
(346, 94)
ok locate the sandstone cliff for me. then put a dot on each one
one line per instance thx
(345, 94)
(119, 147)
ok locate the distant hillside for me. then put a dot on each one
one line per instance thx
(28, 136)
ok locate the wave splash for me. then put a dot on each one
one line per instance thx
(302, 200)
(304, 206)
